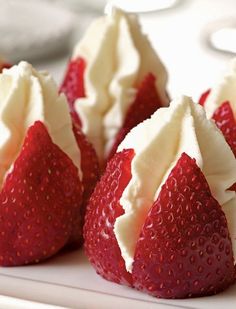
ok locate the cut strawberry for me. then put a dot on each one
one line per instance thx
(225, 121)
(184, 249)
(147, 101)
(73, 83)
(100, 242)
(40, 201)
(91, 172)
(4, 66)
(204, 96)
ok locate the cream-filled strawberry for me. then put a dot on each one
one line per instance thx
(161, 217)
(42, 176)
(220, 105)
(114, 81)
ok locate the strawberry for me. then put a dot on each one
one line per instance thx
(73, 88)
(225, 121)
(40, 201)
(100, 243)
(4, 66)
(204, 96)
(146, 102)
(91, 172)
(184, 248)
(73, 84)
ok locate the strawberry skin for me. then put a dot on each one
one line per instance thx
(40, 200)
(73, 87)
(101, 245)
(146, 102)
(4, 66)
(184, 249)
(225, 121)
(91, 172)
(73, 84)
(204, 96)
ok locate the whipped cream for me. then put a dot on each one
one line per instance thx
(118, 57)
(25, 97)
(223, 91)
(183, 127)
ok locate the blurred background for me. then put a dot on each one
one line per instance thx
(194, 38)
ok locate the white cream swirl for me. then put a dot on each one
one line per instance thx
(158, 143)
(25, 97)
(224, 90)
(118, 56)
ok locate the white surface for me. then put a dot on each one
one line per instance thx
(12, 302)
(68, 280)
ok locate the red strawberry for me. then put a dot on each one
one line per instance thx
(225, 121)
(204, 96)
(73, 88)
(184, 249)
(40, 200)
(147, 101)
(100, 243)
(91, 172)
(73, 83)
(4, 66)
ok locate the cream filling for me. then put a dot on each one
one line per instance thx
(158, 143)
(118, 56)
(25, 97)
(223, 91)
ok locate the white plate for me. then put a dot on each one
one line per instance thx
(68, 280)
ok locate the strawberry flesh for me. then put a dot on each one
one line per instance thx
(146, 102)
(100, 242)
(39, 202)
(184, 249)
(73, 84)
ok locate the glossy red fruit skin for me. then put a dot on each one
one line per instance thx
(4, 66)
(101, 245)
(73, 84)
(91, 173)
(39, 201)
(204, 96)
(73, 87)
(146, 102)
(225, 121)
(184, 249)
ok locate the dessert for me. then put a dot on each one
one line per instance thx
(162, 219)
(42, 168)
(114, 81)
(220, 105)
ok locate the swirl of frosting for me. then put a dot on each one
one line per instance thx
(158, 143)
(223, 91)
(25, 97)
(118, 56)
